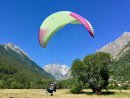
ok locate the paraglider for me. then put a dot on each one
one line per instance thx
(51, 89)
(58, 20)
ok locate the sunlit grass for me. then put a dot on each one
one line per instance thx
(63, 93)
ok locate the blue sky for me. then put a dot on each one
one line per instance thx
(20, 21)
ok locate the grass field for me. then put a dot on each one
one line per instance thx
(63, 93)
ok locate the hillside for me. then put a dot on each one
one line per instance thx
(16, 65)
(121, 67)
(120, 50)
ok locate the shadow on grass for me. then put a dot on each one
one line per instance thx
(103, 93)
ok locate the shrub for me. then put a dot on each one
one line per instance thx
(76, 88)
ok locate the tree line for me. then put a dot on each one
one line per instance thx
(12, 78)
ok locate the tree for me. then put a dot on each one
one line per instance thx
(97, 67)
(94, 70)
(77, 69)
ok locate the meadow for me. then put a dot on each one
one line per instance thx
(61, 93)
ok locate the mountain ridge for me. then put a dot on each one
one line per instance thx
(116, 47)
(16, 49)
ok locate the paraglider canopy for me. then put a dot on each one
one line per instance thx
(58, 20)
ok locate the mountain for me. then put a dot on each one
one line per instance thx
(57, 70)
(118, 47)
(14, 58)
(120, 50)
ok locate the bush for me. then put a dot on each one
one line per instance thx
(76, 88)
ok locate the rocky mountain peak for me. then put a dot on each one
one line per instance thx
(115, 48)
(16, 49)
(57, 70)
